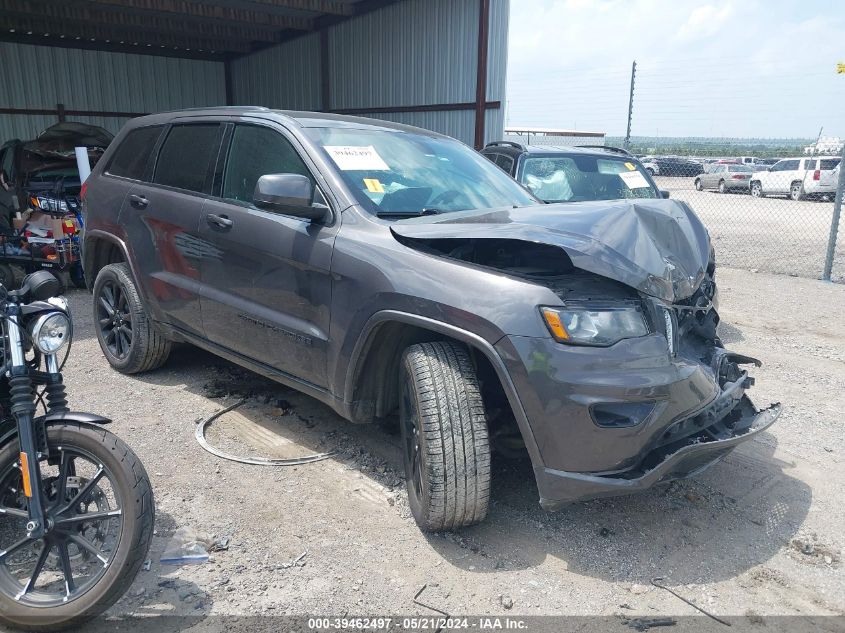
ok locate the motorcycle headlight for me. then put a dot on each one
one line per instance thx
(589, 325)
(51, 332)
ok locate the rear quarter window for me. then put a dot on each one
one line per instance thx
(829, 163)
(131, 158)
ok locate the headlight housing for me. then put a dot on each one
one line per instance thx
(590, 324)
(50, 332)
(49, 203)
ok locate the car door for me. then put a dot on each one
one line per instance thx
(708, 178)
(789, 170)
(266, 292)
(161, 218)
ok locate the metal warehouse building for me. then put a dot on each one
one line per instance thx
(438, 64)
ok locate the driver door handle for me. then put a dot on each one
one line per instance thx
(139, 202)
(219, 220)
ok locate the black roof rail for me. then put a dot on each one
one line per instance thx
(505, 143)
(609, 148)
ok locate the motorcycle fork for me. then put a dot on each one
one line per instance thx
(23, 410)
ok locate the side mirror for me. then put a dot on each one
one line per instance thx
(664, 194)
(291, 194)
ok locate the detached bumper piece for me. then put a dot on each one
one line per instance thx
(686, 449)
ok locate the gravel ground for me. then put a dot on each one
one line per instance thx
(758, 534)
(769, 234)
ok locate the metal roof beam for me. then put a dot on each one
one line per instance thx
(153, 23)
(193, 12)
(329, 7)
(140, 40)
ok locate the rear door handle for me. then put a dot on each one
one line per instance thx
(139, 202)
(219, 220)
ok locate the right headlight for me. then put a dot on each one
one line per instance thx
(594, 325)
(51, 332)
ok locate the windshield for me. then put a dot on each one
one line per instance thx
(576, 178)
(402, 173)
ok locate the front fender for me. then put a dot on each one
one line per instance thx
(9, 428)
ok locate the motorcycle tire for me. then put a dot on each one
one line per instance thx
(120, 560)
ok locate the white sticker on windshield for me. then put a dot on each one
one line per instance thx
(633, 179)
(356, 158)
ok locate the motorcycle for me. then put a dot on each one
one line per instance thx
(76, 505)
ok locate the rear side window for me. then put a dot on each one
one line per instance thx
(505, 162)
(829, 163)
(185, 157)
(131, 158)
(811, 164)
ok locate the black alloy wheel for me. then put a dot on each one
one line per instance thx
(84, 511)
(115, 319)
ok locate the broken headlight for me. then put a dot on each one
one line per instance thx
(595, 325)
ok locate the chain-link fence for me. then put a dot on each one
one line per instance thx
(774, 214)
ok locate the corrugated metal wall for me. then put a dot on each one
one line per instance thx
(285, 76)
(39, 77)
(416, 52)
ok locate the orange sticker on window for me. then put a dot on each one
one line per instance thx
(373, 185)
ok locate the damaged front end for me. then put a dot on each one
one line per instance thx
(618, 412)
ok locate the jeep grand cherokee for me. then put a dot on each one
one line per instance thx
(382, 268)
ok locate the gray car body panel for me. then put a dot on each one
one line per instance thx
(372, 272)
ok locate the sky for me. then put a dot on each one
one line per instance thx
(705, 68)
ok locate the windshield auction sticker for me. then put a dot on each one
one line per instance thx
(356, 158)
(633, 179)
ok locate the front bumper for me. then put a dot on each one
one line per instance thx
(685, 414)
(557, 487)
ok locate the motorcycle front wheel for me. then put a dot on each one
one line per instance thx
(100, 514)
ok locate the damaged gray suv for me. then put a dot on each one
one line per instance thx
(386, 269)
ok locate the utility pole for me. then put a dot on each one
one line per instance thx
(630, 104)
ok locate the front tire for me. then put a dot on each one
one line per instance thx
(698, 185)
(121, 541)
(444, 435)
(130, 340)
(757, 189)
(796, 191)
(722, 188)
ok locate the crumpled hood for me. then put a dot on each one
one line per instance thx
(659, 247)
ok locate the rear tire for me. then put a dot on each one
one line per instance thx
(145, 348)
(722, 188)
(444, 434)
(698, 186)
(796, 191)
(136, 530)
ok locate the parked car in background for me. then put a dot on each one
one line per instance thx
(573, 174)
(44, 169)
(724, 178)
(674, 166)
(797, 178)
(385, 269)
(650, 166)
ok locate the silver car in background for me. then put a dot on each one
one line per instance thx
(724, 178)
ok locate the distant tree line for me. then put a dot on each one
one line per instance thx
(761, 148)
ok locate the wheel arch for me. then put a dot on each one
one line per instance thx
(100, 250)
(372, 378)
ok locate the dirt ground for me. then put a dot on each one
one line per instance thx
(759, 534)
